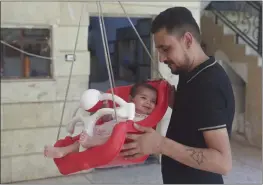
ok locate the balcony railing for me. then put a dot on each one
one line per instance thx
(245, 21)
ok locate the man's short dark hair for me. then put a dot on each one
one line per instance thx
(178, 20)
(135, 87)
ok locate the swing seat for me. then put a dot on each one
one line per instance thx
(107, 154)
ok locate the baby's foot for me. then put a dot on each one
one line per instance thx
(54, 152)
(84, 139)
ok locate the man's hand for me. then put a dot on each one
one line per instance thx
(143, 144)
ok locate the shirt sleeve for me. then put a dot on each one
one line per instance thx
(211, 109)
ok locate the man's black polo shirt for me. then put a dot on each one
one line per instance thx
(204, 101)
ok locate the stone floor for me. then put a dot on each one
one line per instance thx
(247, 168)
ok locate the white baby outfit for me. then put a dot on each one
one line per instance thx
(103, 132)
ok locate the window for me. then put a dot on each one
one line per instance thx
(129, 60)
(17, 64)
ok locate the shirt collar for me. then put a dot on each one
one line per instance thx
(187, 76)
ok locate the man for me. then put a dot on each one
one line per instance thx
(196, 149)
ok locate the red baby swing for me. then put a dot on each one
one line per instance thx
(107, 155)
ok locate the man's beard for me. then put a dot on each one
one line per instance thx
(183, 69)
(176, 72)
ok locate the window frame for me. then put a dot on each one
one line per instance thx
(51, 52)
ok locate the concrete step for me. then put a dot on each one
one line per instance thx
(235, 70)
(248, 26)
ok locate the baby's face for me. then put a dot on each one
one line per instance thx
(144, 100)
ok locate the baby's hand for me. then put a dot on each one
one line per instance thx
(107, 118)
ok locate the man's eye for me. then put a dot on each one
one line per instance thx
(165, 49)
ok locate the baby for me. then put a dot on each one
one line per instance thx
(142, 95)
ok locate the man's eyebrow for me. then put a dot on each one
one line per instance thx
(160, 46)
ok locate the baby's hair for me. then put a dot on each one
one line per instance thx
(136, 86)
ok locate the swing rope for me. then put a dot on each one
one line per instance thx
(107, 47)
(107, 54)
(140, 39)
(70, 74)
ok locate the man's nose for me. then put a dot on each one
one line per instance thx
(162, 58)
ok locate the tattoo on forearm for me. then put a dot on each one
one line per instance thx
(197, 155)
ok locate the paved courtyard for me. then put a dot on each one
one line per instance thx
(247, 165)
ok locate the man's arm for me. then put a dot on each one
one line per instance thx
(215, 158)
(172, 91)
(211, 115)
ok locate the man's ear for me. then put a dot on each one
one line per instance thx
(187, 39)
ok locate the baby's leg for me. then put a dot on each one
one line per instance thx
(101, 135)
(86, 141)
(59, 152)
